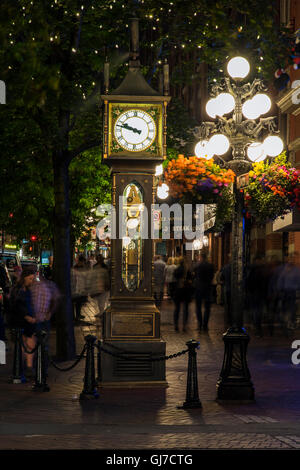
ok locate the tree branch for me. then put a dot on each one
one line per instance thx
(82, 148)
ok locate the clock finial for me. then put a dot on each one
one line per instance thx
(134, 61)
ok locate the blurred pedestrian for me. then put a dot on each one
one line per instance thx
(225, 278)
(5, 284)
(273, 301)
(92, 260)
(183, 292)
(159, 280)
(22, 314)
(48, 270)
(99, 284)
(289, 284)
(45, 297)
(79, 286)
(169, 277)
(204, 273)
(257, 287)
(16, 274)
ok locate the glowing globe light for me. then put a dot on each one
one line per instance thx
(262, 102)
(226, 102)
(203, 150)
(273, 145)
(197, 244)
(212, 108)
(256, 152)
(238, 67)
(132, 223)
(126, 241)
(159, 170)
(250, 110)
(219, 143)
(163, 191)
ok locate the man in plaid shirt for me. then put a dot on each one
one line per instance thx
(45, 296)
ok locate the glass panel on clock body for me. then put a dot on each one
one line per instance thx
(132, 242)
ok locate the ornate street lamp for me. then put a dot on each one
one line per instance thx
(240, 130)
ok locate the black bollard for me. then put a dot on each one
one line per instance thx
(89, 390)
(18, 375)
(192, 396)
(41, 366)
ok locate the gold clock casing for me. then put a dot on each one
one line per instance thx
(115, 110)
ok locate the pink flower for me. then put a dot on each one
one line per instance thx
(216, 191)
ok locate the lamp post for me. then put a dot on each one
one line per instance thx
(243, 104)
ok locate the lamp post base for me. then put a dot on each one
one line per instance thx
(234, 384)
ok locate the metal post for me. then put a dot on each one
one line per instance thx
(89, 389)
(18, 375)
(235, 383)
(98, 379)
(192, 396)
(41, 366)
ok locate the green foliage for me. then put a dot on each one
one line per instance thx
(90, 186)
(180, 124)
(52, 59)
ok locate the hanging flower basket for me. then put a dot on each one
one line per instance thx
(273, 189)
(196, 180)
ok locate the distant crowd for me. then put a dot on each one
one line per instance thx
(271, 290)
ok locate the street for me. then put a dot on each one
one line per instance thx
(149, 418)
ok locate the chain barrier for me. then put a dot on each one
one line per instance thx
(66, 369)
(150, 359)
(90, 382)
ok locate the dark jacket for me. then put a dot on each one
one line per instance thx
(204, 274)
(20, 307)
(184, 284)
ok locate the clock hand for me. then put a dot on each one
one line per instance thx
(129, 128)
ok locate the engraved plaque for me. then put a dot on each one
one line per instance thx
(134, 325)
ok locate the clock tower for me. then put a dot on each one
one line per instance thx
(134, 143)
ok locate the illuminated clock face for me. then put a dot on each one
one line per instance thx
(135, 130)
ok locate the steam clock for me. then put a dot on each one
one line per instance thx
(134, 144)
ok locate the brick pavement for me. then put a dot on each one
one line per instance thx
(145, 418)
